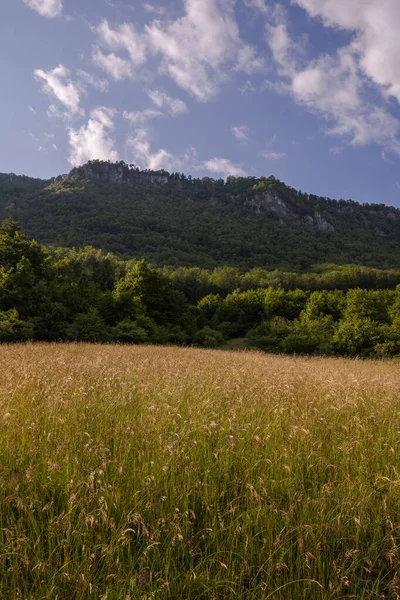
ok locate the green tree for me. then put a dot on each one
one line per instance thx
(358, 336)
(88, 327)
(128, 331)
(242, 311)
(12, 329)
(208, 307)
(15, 246)
(225, 280)
(208, 338)
(153, 291)
(365, 304)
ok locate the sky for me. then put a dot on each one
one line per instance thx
(305, 90)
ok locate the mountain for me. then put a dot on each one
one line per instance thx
(171, 219)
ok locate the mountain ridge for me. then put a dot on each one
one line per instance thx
(169, 218)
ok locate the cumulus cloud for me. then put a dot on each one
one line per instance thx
(142, 116)
(197, 48)
(175, 106)
(248, 61)
(123, 38)
(139, 147)
(93, 141)
(334, 87)
(376, 25)
(58, 82)
(257, 4)
(241, 133)
(46, 8)
(223, 167)
(87, 79)
(118, 68)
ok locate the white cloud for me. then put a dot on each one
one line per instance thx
(257, 4)
(223, 167)
(269, 153)
(376, 25)
(88, 79)
(197, 48)
(142, 116)
(247, 87)
(139, 146)
(336, 150)
(248, 61)
(31, 109)
(241, 133)
(118, 68)
(54, 112)
(151, 8)
(124, 38)
(175, 106)
(333, 87)
(46, 8)
(272, 155)
(93, 141)
(161, 100)
(59, 83)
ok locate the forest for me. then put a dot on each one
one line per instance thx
(173, 219)
(58, 294)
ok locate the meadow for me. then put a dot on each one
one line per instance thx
(144, 472)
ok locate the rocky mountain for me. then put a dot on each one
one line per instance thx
(171, 219)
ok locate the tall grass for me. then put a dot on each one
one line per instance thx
(165, 473)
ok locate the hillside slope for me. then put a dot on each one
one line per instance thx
(171, 219)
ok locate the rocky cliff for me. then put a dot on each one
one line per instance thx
(169, 218)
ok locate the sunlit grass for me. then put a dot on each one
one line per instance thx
(146, 472)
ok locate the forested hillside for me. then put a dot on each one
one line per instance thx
(87, 295)
(171, 219)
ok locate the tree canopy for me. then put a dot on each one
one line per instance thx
(87, 295)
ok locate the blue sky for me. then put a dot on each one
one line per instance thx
(306, 90)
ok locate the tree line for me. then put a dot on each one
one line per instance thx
(87, 295)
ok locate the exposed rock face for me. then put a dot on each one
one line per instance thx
(267, 197)
(269, 202)
(119, 173)
(318, 223)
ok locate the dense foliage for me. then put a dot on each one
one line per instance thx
(88, 295)
(171, 219)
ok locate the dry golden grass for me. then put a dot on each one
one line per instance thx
(154, 472)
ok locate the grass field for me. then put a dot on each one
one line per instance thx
(167, 473)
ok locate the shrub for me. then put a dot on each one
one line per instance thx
(208, 338)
